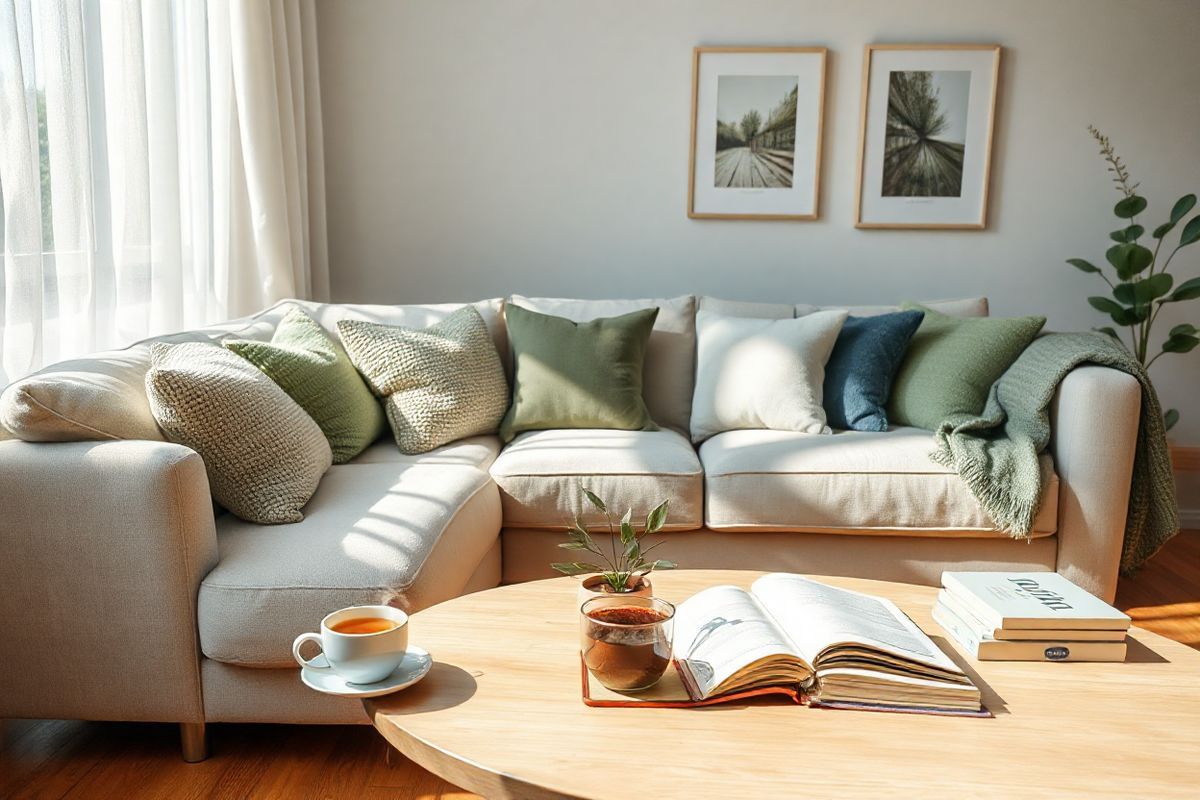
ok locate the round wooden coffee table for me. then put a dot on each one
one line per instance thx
(500, 714)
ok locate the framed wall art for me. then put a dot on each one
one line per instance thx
(928, 112)
(757, 114)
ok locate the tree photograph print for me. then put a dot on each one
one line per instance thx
(926, 133)
(756, 131)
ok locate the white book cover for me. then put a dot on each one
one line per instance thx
(996, 650)
(1031, 600)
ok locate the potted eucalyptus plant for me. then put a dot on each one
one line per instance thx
(1143, 285)
(624, 568)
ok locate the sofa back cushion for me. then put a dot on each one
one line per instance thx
(669, 368)
(965, 307)
(410, 316)
(102, 396)
(747, 308)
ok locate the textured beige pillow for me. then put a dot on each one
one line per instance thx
(264, 455)
(442, 383)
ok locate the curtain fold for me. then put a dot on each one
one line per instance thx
(161, 167)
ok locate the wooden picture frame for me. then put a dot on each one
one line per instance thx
(764, 184)
(915, 197)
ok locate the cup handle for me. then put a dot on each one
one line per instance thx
(301, 660)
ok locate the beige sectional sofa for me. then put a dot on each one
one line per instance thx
(126, 596)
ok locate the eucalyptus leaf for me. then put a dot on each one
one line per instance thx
(1129, 234)
(1186, 327)
(1163, 230)
(1129, 259)
(1107, 330)
(572, 545)
(1130, 316)
(1188, 290)
(1182, 206)
(1082, 265)
(1152, 288)
(1104, 304)
(1125, 293)
(1191, 232)
(1180, 343)
(1130, 207)
(1170, 418)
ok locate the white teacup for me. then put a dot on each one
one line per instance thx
(358, 657)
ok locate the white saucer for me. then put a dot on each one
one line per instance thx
(416, 665)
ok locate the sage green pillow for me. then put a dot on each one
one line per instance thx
(952, 363)
(570, 374)
(315, 371)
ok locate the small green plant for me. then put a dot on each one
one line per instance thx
(1143, 284)
(626, 562)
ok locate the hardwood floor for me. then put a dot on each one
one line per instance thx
(70, 759)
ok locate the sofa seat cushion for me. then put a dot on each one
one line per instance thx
(411, 534)
(539, 476)
(848, 482)
(474, 451)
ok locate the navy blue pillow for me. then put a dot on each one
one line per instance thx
(858, 376)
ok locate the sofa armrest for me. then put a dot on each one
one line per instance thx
(1095, 423)
(102, 549)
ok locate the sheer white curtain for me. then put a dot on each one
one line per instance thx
(161, 167)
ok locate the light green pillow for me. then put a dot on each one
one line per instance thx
(442, 383)
(315, 371)
(952, 363)
(570, 374)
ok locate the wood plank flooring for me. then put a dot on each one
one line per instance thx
(52, 759)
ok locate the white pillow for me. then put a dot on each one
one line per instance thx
(761, 373)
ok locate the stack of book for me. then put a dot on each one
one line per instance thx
(1028, 616)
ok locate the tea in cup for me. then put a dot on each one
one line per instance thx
(361, 644)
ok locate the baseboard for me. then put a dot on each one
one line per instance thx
(1186, 461)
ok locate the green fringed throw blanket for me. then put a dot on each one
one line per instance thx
(996, 453)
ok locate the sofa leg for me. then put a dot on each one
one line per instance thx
(193, 741)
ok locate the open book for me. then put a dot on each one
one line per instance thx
(830, 646)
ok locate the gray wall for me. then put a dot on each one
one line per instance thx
(540, 146)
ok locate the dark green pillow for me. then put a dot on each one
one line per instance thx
(577, 374)
(314, 370)
(952, 363)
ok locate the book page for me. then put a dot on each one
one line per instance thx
(815, 617)
(721, 631)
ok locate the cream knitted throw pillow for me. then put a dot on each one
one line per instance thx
(442, 383)
(264, 455)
